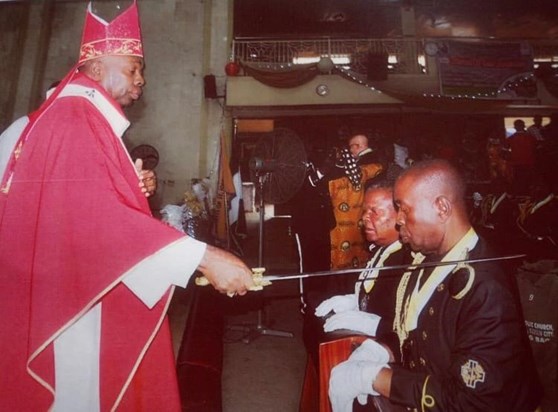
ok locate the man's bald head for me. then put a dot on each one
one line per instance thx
(431, 215)
(438, 177)
(357, 144)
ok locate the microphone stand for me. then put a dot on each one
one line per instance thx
(259, 329)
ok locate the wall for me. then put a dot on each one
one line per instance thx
(246, 91)
(13, 23)
(183, 41)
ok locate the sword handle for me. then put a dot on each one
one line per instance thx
(257, 277)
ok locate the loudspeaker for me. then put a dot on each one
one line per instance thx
(376, 66)
(209, 87)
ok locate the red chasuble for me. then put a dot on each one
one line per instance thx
(73, 221)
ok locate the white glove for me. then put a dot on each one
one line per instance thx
(352, 379)
(370, 350)
(338, 304)
(356, 320)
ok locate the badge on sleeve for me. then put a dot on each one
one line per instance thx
(472, 373)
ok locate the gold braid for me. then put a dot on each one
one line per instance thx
(402, 304)
(426, 401)
(401, 308)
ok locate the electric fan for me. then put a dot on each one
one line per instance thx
(279, 165)
(278, 168)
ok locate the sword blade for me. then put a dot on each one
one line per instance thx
(273, 278)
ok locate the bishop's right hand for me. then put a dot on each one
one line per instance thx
(226, 272)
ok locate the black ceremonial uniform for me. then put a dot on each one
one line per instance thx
(497, 224)
(380, 300)
(539, 225)
(469, 353)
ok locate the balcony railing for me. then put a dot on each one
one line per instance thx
(349, 52)
(403, 55)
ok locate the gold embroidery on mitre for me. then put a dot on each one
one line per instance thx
(125, 47)
(472, 373)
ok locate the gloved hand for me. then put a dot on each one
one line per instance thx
(351, 379)
(370, 350)
(356, 320)
(338, 304)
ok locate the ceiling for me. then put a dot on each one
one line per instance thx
(382, 18)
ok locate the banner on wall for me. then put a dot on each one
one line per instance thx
(502, 70)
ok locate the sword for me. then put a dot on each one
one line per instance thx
(261, 281)
(409, 266)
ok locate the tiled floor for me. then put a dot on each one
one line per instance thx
(261, 372)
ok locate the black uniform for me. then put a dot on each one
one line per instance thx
(539, 225)
(381, 298)
(470, 353)
(497, 224)
(380, 301)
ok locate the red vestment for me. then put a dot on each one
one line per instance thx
(72, 223)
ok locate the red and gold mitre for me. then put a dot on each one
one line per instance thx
(121, 37)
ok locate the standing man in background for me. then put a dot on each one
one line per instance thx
(522, 158)
(346, 188)
(344, 177)
(87, 272)
(536, 129)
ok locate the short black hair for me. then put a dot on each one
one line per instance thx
(379, 182)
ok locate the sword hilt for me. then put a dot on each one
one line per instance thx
(257, 277)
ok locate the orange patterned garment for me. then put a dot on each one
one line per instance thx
(348, 245)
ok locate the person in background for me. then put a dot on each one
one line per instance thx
(538, 222)
(536, 129)
(461, 332)
(550, 131)
(522, 158)
(87, 272)
(356, 164)
(497, 154)
(12, 133)
(312, 220)
(399, 153)
(342, 176)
